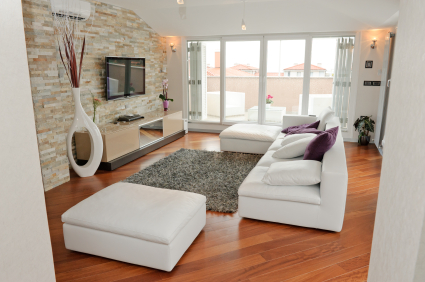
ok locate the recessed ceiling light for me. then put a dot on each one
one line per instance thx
(180, 2)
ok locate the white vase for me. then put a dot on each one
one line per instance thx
(268, 105)
(81, 119)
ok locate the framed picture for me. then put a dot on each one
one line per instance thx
(369, 64)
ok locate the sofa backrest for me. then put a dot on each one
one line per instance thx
(334, 159)
(334, 183)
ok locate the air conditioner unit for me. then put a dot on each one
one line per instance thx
(74, 9)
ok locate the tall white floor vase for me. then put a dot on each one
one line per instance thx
(81, 119)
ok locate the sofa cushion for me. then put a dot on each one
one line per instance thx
(256, 132)
(139, 211)
(294, 149)
(324, 117)
(276, 145)
(301, 127)
(320, 144)
(281, 136)
(292, 138)
(293, 173)
(253, 187)
(304, 131)
(268, 159)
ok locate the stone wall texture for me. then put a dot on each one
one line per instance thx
(115, 31)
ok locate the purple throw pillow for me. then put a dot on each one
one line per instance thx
(304, 130)
(297, 127)
(322, 143)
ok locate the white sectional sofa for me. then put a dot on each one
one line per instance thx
(317, 206)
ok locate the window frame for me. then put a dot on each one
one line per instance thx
(264, 38)
(268, 38)
(226, 39)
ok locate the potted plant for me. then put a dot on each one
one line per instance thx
(269, 101)
(132, 89)
(164, 95)
(365, 125)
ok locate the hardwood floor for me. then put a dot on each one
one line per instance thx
(231, 248)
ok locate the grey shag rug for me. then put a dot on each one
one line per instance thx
(216, 175)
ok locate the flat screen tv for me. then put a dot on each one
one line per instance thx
(125, 77)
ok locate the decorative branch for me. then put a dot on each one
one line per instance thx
(71, 40)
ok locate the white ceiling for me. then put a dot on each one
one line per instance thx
(224, 17)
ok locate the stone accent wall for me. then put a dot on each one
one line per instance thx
(115, 32)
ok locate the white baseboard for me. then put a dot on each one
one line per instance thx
(205, 130)
(350, 140)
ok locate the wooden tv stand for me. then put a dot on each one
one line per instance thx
(126, 141)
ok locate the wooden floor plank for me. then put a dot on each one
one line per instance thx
(358, 275)
(231, 248)
(312, 264)
(319, 275)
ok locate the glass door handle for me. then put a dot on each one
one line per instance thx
(388, 82)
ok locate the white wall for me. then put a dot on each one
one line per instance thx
(401, 199)
(175, 74)
(367, 97)
(25, 249)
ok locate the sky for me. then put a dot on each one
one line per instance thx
(292, 52)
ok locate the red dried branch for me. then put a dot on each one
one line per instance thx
(66, 69)
(73, 71)
(82, 55)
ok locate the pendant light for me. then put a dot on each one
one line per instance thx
(243, 25)
(243, 16)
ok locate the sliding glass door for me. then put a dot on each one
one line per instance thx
(285, 77)
(258, 79)
(242, 81)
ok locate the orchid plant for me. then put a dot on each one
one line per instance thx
(164, 95)
(269, 99)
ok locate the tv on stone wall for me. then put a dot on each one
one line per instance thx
(125, 77)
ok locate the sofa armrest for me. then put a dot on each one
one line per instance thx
(292, 120)
(334, 183)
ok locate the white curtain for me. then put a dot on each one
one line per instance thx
(197, 81)
(342, 78)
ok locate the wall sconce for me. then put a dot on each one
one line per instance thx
(374, 43)
(172, 47)
(180, 2)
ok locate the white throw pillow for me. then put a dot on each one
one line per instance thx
(295, 137)
(324, 117)
(303, 172)
(294, 149)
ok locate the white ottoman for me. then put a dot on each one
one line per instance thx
(248, 138)
(137, 224)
